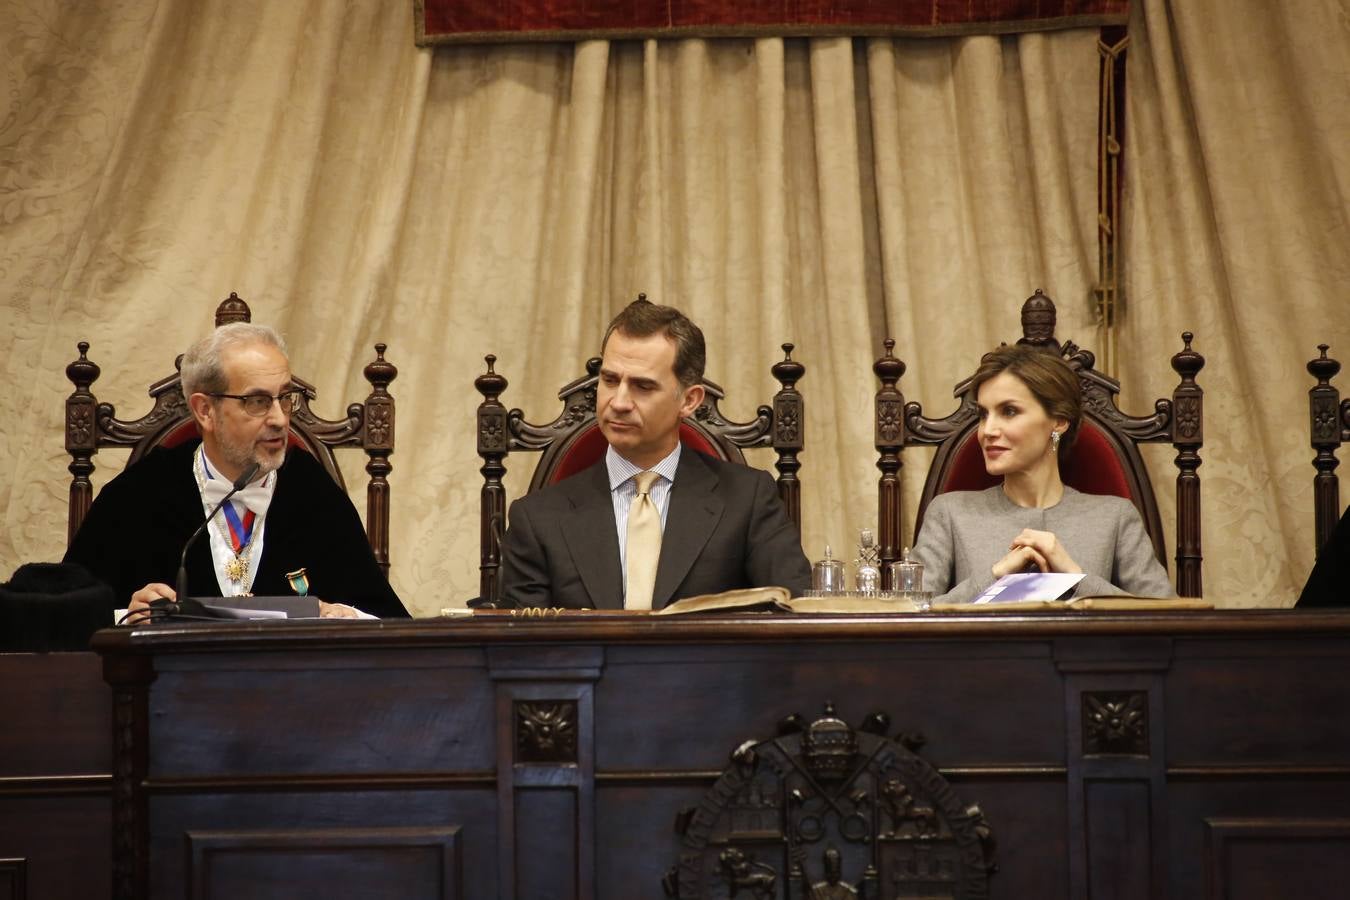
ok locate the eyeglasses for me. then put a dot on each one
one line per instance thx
(261, 404)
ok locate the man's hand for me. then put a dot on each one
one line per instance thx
(140, 601)
(336, 611)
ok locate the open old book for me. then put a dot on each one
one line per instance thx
(771, 598)
(765, 598)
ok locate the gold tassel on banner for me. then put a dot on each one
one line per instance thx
(1110, 156)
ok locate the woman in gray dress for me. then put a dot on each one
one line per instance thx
(1031, 406)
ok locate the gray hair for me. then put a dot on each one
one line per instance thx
(203, 372)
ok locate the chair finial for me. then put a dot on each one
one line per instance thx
(1038, 321)
(1186, 362)
(379, 372)
(787, 370)
(232, 309)
(1323, 368)
(83, 372)
(889, 368)
(490, 384)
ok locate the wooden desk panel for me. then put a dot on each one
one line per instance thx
(751, 687)
(417, 710)
(55, 776)
(1112, 755)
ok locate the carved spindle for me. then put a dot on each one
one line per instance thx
(130, 677)
(81, 437)
(232, 309)
(788, 426)
(378, 426)
(1324, 410)
(492, 446)
(1038, 322)
(889, 407)
(1187, 437)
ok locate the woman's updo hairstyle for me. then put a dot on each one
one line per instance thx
(1047, 376)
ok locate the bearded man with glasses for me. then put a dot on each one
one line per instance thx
(290, 516)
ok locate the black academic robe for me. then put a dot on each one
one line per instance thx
(138, 524)
(1329, 583)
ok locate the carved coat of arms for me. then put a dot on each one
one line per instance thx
(826, 811)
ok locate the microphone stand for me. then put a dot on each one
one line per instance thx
(180, 584)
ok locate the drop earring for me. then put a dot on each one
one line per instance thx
(1054, 441)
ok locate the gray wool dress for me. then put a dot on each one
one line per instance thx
(965, 532)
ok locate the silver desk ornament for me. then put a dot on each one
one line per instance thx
(867, 567)
(827, 575)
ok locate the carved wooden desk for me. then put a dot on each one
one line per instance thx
(1181, 755)
(55, 781)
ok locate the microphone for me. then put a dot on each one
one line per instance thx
(180, 585)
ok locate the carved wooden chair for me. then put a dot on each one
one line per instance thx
(91, 426)
(1329, 424)
(573, 441)
(1105, 459)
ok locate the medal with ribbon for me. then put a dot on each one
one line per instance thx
(241, 532)
(299, 581)
(237, 532)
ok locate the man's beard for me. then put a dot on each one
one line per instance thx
(243, 454)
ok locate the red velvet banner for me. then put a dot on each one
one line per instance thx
(473, 21)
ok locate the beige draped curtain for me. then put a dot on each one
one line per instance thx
(157, 154)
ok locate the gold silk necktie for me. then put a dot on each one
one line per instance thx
(644, 544)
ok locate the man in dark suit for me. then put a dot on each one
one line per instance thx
(653, 521)
(1329, 582)
(291, 516)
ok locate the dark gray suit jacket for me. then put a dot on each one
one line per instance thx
(726, 528)
(1327, 585)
